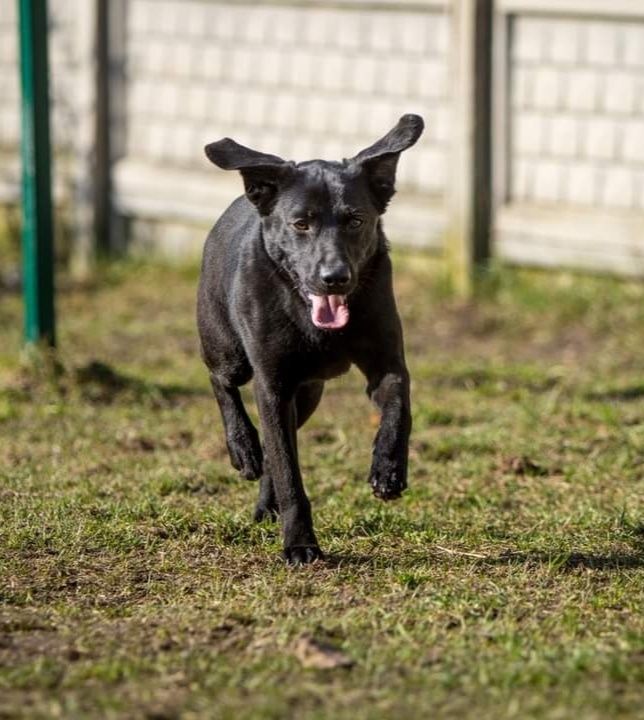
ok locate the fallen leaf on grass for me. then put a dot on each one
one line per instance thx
(320, 655)
(432, 657)
(133, 442)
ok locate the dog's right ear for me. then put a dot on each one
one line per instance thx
(379, 161)
(262, 173)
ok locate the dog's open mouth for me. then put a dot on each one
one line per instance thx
(329, 312)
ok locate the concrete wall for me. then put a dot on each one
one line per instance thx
(69, 42)
(296, 81)
(574, 138)
(72, 122)
(578, 112)
(325, 79)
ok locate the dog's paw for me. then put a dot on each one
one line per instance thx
(388, 479)
(246, 455)
(266, 511)
(302, 554)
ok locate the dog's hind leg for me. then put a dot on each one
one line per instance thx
(266, 508)
(307, 399)
(242, 438)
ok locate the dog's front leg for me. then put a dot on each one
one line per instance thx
(389, 389)
(277, 413)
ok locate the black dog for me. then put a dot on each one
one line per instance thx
(295, 287)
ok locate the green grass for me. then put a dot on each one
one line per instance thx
(507, 583)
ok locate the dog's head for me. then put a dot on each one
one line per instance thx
(320, 219)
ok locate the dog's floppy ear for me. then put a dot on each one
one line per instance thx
(262, 173)
(379, 160)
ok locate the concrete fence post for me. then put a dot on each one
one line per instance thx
(102, 131)
(470, 189)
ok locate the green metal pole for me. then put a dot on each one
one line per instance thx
(37, 229)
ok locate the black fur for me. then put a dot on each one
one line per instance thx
(312, 227)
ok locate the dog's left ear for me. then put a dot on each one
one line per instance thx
(379, 161)
(262, 173)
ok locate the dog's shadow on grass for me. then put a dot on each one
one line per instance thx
(336, 561)
(102, 384)
(567, 561)
(624, 394)
(561, 561)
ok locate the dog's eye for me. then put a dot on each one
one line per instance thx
(354, 222)
(301, 225)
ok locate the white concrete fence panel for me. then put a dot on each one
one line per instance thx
(324, 79)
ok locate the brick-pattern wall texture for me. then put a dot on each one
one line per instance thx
(9, 86)
(296, 81)
(307, 80)
(577, 123)
(64, 68)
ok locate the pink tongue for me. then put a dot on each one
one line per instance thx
(329, 311)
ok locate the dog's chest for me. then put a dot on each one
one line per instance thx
(324, 364)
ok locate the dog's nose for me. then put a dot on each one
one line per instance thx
(336, 276)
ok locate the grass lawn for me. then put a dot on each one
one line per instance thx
(507, 583)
